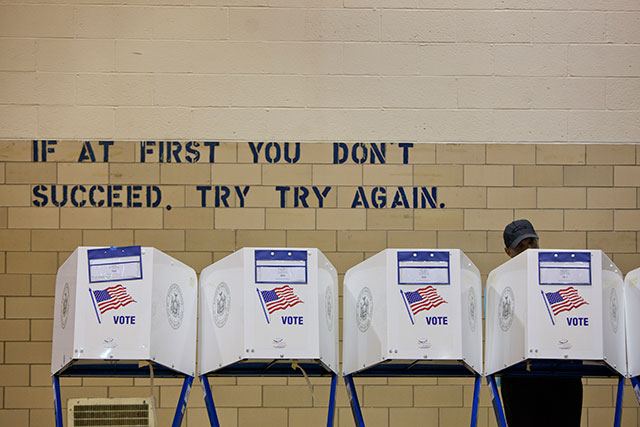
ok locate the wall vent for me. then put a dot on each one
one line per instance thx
(121, 412)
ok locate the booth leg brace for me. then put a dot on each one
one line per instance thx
(353, 400)
(635, 382)
(476, 400)
(57, 404)
(332, 401)
(497, 403)
(208, 400)
(618, 416)
(182, 402)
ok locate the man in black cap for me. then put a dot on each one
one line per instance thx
(536, 401)
(519, 236)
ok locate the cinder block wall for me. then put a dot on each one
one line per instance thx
(483, 88)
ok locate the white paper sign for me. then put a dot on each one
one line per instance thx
(115, 264)
(281, 266)
(564, 268)
(281, 274)
(424, 275)
(423, 268)
(564, 275)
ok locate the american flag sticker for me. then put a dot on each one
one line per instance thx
(279, 298)
(421, 299)
(563, 300)
(110, 298)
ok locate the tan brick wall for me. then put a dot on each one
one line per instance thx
(586, 198)
(516, 109)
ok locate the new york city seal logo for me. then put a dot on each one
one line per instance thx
(328, 308)
(364, 309)
(175, 306)
(471, 309)
(221, 304)
(506, 308)
(64, 306)
(613, 310)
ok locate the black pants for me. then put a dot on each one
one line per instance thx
(542, 401)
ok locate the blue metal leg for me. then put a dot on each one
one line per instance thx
(182, 402)
(332, 401)
(497, 403)
(208, 400)
(353, 400)
(476, 399)
(618, 417)
(636, 387)
(57, 404)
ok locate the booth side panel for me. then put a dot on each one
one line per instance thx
(374, 312)
(471, 303)
(174, 313)
(221, 314)
(328, 326)
(613, 316)
(456, 308)
(350, 359)
(64, 314)
(365, 314)
(506, 301)
(360, 309)
(632, 315)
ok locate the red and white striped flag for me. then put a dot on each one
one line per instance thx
(112, 297)
(280, 298)
(564, 300)
(423, 299)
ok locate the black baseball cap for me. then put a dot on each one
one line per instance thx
(517, 231)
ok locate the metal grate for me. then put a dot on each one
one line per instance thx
(122, 412)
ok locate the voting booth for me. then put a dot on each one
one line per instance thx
(268, 312)
(555, 312)
(412, 313)
(124, 311)
(632, 312)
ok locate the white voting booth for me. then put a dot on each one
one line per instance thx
(119, 306)
(632, 312)
(412, 312)
(561, 311)
(266, 312)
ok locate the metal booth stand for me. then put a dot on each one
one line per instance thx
(552, 367)
(555, 313)
(412, 369)
(117, 369)
(274, 368)
(412, 313)
(124, 312)
(268, 312)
